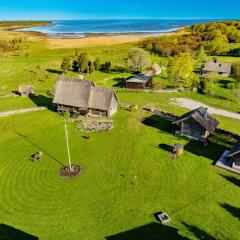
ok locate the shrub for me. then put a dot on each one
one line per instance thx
(231, 86)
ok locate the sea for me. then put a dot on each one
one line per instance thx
(132, 27)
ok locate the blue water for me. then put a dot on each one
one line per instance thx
(81, 28)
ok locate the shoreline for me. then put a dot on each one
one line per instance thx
(90, 40)
(82, 35)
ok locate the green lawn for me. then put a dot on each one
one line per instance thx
(103, 202)
(128, 174)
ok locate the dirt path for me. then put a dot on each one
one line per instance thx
(192, 104)
(13, 112)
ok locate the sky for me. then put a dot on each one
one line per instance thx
(115, 9)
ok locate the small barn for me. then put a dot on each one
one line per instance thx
(234, 155)
(157, 69)
(141, 81)
(26, 90)
(82, 97)
(197, 124)
(223, 69)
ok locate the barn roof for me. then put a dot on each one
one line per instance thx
(25, 88)
(223, 67)
(235, 150)
(201, 116)
(141, 78)
(82, 93)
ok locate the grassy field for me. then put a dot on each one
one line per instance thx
(128, 174)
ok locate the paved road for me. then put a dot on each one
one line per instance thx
(192, 104)
(19, 111)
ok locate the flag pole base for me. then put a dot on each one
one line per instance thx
(66, 172)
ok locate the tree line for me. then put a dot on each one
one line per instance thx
(214, 37)
(81, 63)
(138, 60)
(23, 23)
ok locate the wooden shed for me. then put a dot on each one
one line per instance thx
(26, 90)
(141, 81)
(197, 124)
(82, 97)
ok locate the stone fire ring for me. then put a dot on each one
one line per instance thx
(75, 171)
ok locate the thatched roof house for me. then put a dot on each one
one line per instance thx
(79, 96)
(157, 69)
(223, 69)
(26, 90)
(141, 81)
(197, 124)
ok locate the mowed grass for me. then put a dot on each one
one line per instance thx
(128, 174)
(127, 177)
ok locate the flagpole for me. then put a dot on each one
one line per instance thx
(69, 157)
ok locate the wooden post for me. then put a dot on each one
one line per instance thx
(69, 157)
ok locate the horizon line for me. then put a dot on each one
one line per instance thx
(87, 19)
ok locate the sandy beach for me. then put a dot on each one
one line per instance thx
(88, 41)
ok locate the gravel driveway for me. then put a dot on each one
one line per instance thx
(192, 104)
(13, 112)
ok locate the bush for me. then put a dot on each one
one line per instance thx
(231, 86)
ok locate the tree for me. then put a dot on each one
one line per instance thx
(80, 63)
(97, 64)
(91, 67)
(181, 69)
(138, 59)
(201, 58)
(83, 62)
(218, 45)
(106, 66)
(66, 64)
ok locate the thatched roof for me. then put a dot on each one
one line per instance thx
(100, 98)
(235, 150)
(141, 78)
(218, 67)
(201, 116)
(82, 94)
(25, 88)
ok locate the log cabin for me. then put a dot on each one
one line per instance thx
(82, 97)
(141, 81)
(234, 155)
(223, 69)
(197, 124)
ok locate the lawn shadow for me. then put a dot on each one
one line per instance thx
(151, 231)
(117, 69)
(42, 101)
(54, 71)
(223, 83)
(159, 123)
(165, 147)
(217, 144)
(233, 180)
(11, 233)
(199, 233)
(120, 82)
(235, 211)
(41, 149)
